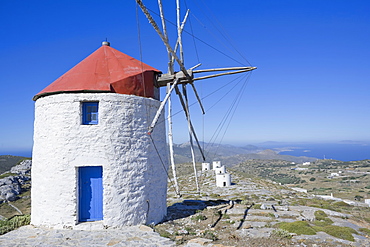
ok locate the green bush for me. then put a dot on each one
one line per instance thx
(320, 215)
(298, 227)
(341, 204)
(340, 232)
(7, 175)
(230, 222)
(324, 222)
(199, 217)
(13, 223)
(271, 215)
(365, 230)
(281, 233)
(210, 235)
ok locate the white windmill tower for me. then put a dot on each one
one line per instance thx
(100, 151)
(92, 157)
(172, 80)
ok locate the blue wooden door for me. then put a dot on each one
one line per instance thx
(90, 193)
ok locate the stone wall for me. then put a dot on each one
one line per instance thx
(134, 180)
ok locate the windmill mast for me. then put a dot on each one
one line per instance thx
(169, 118)
(179, 38)
(173, 79)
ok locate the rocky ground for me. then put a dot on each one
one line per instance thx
(247, 214)
(15, 181)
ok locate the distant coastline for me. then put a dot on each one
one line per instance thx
(23, 153)
(336, 151)
(344, 151)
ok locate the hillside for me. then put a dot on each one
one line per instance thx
(231, 155)
(262, 212)
(262, 207)
(8, 161)
(347, 180)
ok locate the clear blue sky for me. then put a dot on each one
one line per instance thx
(312, 81)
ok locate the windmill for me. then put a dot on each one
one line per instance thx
(173, 80)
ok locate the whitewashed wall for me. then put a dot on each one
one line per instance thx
(134, 180)
(206, 166)
(216, 164)
(220, 170)
(223, 180)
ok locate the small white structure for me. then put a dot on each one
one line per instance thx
(206, 166)
(299, 168)
(223, 180)
(306, 163)
(299, 189)
(220, 170)
(367, 201)
(216, 164)
(92, 157)
(334, 174)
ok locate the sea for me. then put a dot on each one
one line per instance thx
(336, 151)
(23, 153)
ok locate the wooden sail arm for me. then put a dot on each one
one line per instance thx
(180, 32)
(186, 110)
(198, 98)
(170, 61)
(226, 73)
(160, 109)
(163, 79)
(165, 41)
(224, 69)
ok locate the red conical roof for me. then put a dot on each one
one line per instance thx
(106, 70)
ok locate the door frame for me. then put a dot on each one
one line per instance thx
(90, 173)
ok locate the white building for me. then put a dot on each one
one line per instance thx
(216, 164)
(206, 166)
(300, 168)
(92, 157)
(220, 170)
(223, 180)
(299, 189)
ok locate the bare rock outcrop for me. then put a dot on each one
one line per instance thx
(11, 186)
(24, 168)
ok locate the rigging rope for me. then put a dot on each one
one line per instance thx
(226, 120)
(237, 101)
(192, 32)
(215, 135)
(163, 165)
(223, 32)
(210, 94)
(200, 40)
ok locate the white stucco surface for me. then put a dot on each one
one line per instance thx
(220, 170)
(223, 180)
(216, 164)
(134, 177)
(206, 166)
